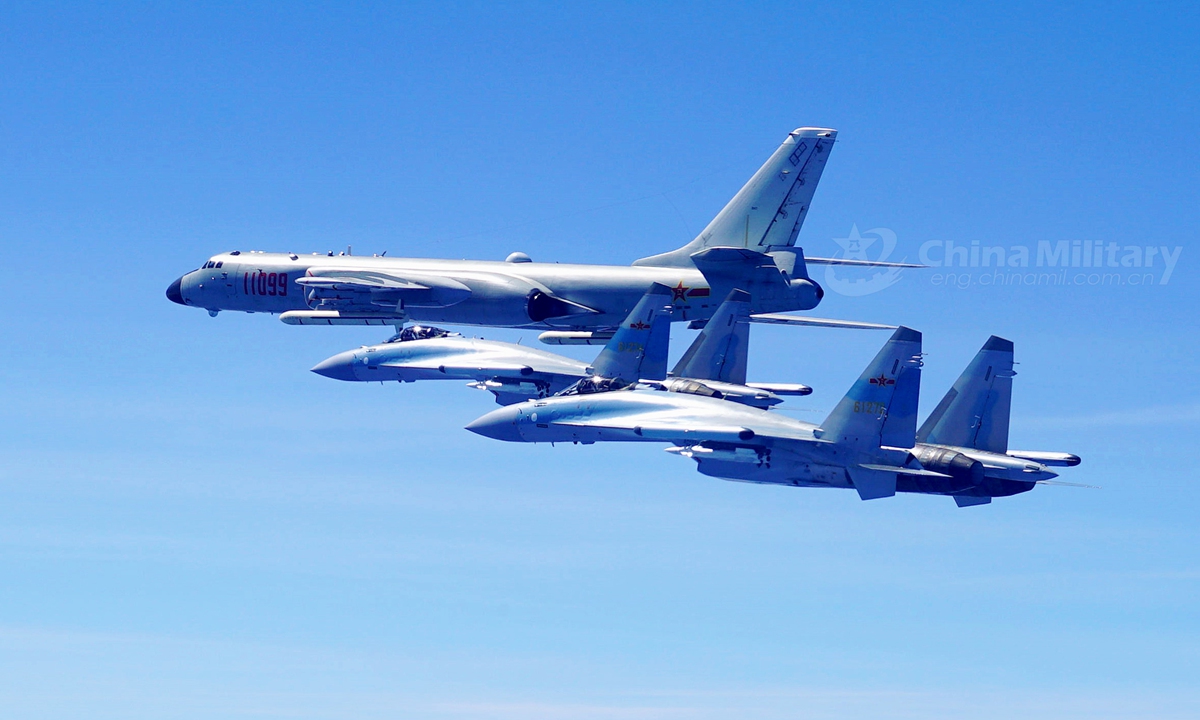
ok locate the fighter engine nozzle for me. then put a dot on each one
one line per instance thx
(174, 293)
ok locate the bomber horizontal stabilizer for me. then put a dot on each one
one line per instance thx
(784, 319)
(859, 263)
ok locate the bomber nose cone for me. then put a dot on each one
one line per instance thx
(498, 424)
(338, 367)
(173, 292)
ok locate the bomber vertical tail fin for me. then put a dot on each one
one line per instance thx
(881, 407)
(720, 351)
(975, 412)
(769, 209)
(639, 347)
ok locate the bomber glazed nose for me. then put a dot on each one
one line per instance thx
(173, 293)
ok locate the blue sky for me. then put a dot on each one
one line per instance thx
(192, 525)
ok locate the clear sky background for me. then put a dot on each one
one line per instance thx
(192, 525)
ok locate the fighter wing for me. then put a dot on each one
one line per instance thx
(376, 290)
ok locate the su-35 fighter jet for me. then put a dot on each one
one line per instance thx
(869, 442)
(750, 245)
(714, 365)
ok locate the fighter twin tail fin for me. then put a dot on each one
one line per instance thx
(721, 350)
(881, 407)
(639, 347)
(975, 412)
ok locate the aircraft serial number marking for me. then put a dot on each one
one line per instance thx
(261, 283)
(629, 347)
(873, 408)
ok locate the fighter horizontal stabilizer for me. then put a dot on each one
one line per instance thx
(784, 319)
(769, 209)
(721, 350)
(975, 411)
(870, 483)
(639, 347)
(969, 500)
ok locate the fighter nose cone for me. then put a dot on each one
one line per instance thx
(338, 367)
(173, 292)
(498, 424)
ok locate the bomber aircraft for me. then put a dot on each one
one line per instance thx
(750, 245)
(869, 442)
(714, 365)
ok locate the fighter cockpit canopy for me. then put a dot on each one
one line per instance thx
(420, 332)
(596, 384)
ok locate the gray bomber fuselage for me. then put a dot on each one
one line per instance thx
(500, 291)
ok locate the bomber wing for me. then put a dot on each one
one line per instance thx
(382, 290)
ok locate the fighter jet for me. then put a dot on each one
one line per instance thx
(750, 245)
(868, 442)
(513, 372)
(714, 365)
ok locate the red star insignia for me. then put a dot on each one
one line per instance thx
(639, 325)
(882, 380)
(679, 292)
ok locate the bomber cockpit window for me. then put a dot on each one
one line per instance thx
(420, 332)
(592, 385)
